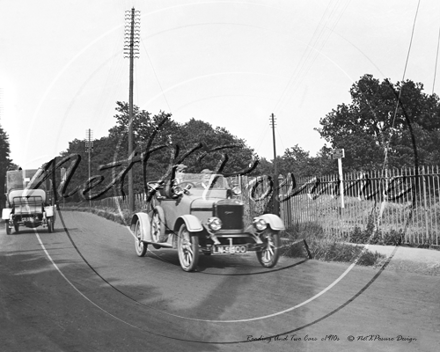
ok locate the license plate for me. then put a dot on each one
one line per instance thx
(230, 249)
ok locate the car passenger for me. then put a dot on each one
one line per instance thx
(179, 173)
(206, 177)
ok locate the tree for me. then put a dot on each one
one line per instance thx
(297, 161)
(5, 163)
(153, 131)
(372, 130)
(215, 143)
(265, 167)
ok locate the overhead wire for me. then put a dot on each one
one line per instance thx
(301, 62)
(114, 74)
(329, 20)
(411, 40)
(436, 61)
(156, 76)
(406, 65)
(281, 140)
(261, 140)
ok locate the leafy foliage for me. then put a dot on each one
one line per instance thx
(168, 140)
(298, 161)
(5, 163)
(371, 129)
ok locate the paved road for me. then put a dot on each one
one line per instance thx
(83, 288)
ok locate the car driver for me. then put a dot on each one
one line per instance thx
(179, 173)
(206, 177)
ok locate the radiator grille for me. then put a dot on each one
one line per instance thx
(231, 216)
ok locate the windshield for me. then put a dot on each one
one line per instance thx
(203, 181)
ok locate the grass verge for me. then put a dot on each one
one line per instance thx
(123, 217)
(324, 248)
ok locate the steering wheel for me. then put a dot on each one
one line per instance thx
(155, 185)
(183, 184)
(181, 188)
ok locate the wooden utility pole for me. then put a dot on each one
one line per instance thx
(89, 149)
(131, 48)
(276, 204)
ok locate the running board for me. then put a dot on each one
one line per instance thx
(161, 244)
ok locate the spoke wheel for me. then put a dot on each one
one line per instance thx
(7, 228)
(269, 253)
(141, 247)
(158, 225)
(188, 249)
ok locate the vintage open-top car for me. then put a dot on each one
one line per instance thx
(198, 214)
(26, 207)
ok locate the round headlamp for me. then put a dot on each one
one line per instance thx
(236, 190)
(260, 224)
(214, 224)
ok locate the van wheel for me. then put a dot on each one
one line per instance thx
(7, 228)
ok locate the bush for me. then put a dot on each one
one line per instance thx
(332, 251)
(372, 236)
(325, 249)
(108, 213)
(305, 230)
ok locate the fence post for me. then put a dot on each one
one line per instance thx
(341, 178)
(425, 205)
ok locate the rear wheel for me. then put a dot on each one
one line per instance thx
(158, 225)
(141, 247)
(50, 225)
(16, 227)
(7, 228)
(269, 253)
(188, 249)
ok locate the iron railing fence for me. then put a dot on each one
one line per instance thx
(400, 201)
(120, 203)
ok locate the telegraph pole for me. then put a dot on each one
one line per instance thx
(131, 51)
(276, 205)
(89, 149)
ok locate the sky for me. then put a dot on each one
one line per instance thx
(229, 63)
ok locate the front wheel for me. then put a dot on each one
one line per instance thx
(16, 227)
(141, 247)
(188, 249)
(50, 225)
(269, 253)
(7, 228)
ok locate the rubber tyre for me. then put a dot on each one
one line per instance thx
(140, 247)
(188, 249)
(7, 228)
(158, 225)
(16, 227)
(270, 252)
(49, 225)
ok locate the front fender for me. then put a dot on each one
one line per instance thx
(49, 211)
(192, 223)
(6, 212)
(144, 224)
(274, 221)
